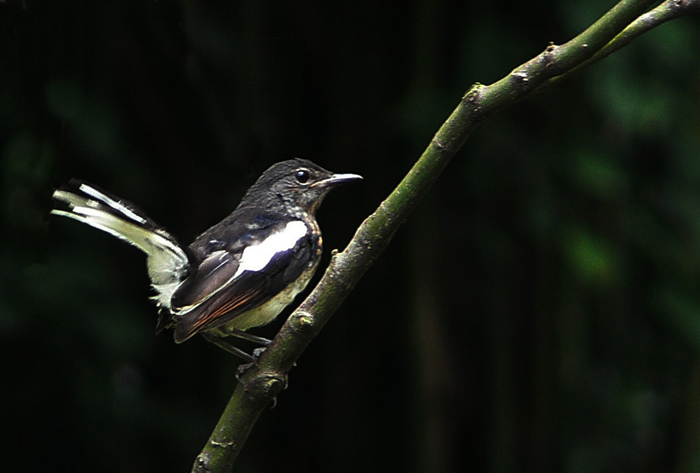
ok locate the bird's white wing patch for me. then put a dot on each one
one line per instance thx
(253, 258)
(256, 257)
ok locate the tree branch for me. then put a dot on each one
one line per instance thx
(261, 384)
(668, 10)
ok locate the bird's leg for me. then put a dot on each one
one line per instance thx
(222, 343)
(249, 336)
(252, 360)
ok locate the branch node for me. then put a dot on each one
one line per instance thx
(302, 321)
(473, 93)
(549, 55)
(229, 444)
(202, 464)
(520, 77)
(265, 386)
(439, 144)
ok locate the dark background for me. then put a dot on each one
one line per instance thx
(540, 312)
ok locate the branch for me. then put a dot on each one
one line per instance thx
(261, 384)
(668, 10)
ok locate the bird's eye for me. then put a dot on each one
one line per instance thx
(302, 176)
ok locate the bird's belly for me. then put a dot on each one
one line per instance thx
(267, 312)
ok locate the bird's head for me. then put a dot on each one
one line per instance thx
(297, 185)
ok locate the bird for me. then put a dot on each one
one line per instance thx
(239, 274)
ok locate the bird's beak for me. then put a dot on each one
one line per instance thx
(336, 179)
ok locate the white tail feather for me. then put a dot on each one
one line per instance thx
(167, 261)
(118, 206)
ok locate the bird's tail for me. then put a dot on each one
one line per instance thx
(167, 260)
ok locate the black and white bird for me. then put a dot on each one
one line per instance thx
(239, 274)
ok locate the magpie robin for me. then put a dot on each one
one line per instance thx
(239, 274)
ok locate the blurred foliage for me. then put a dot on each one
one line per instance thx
(540, 312)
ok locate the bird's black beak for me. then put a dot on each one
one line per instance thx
(336, 179)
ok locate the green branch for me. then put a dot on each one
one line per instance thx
(668, 10)
(261, 384)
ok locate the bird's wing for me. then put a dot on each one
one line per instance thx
(232, 280)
